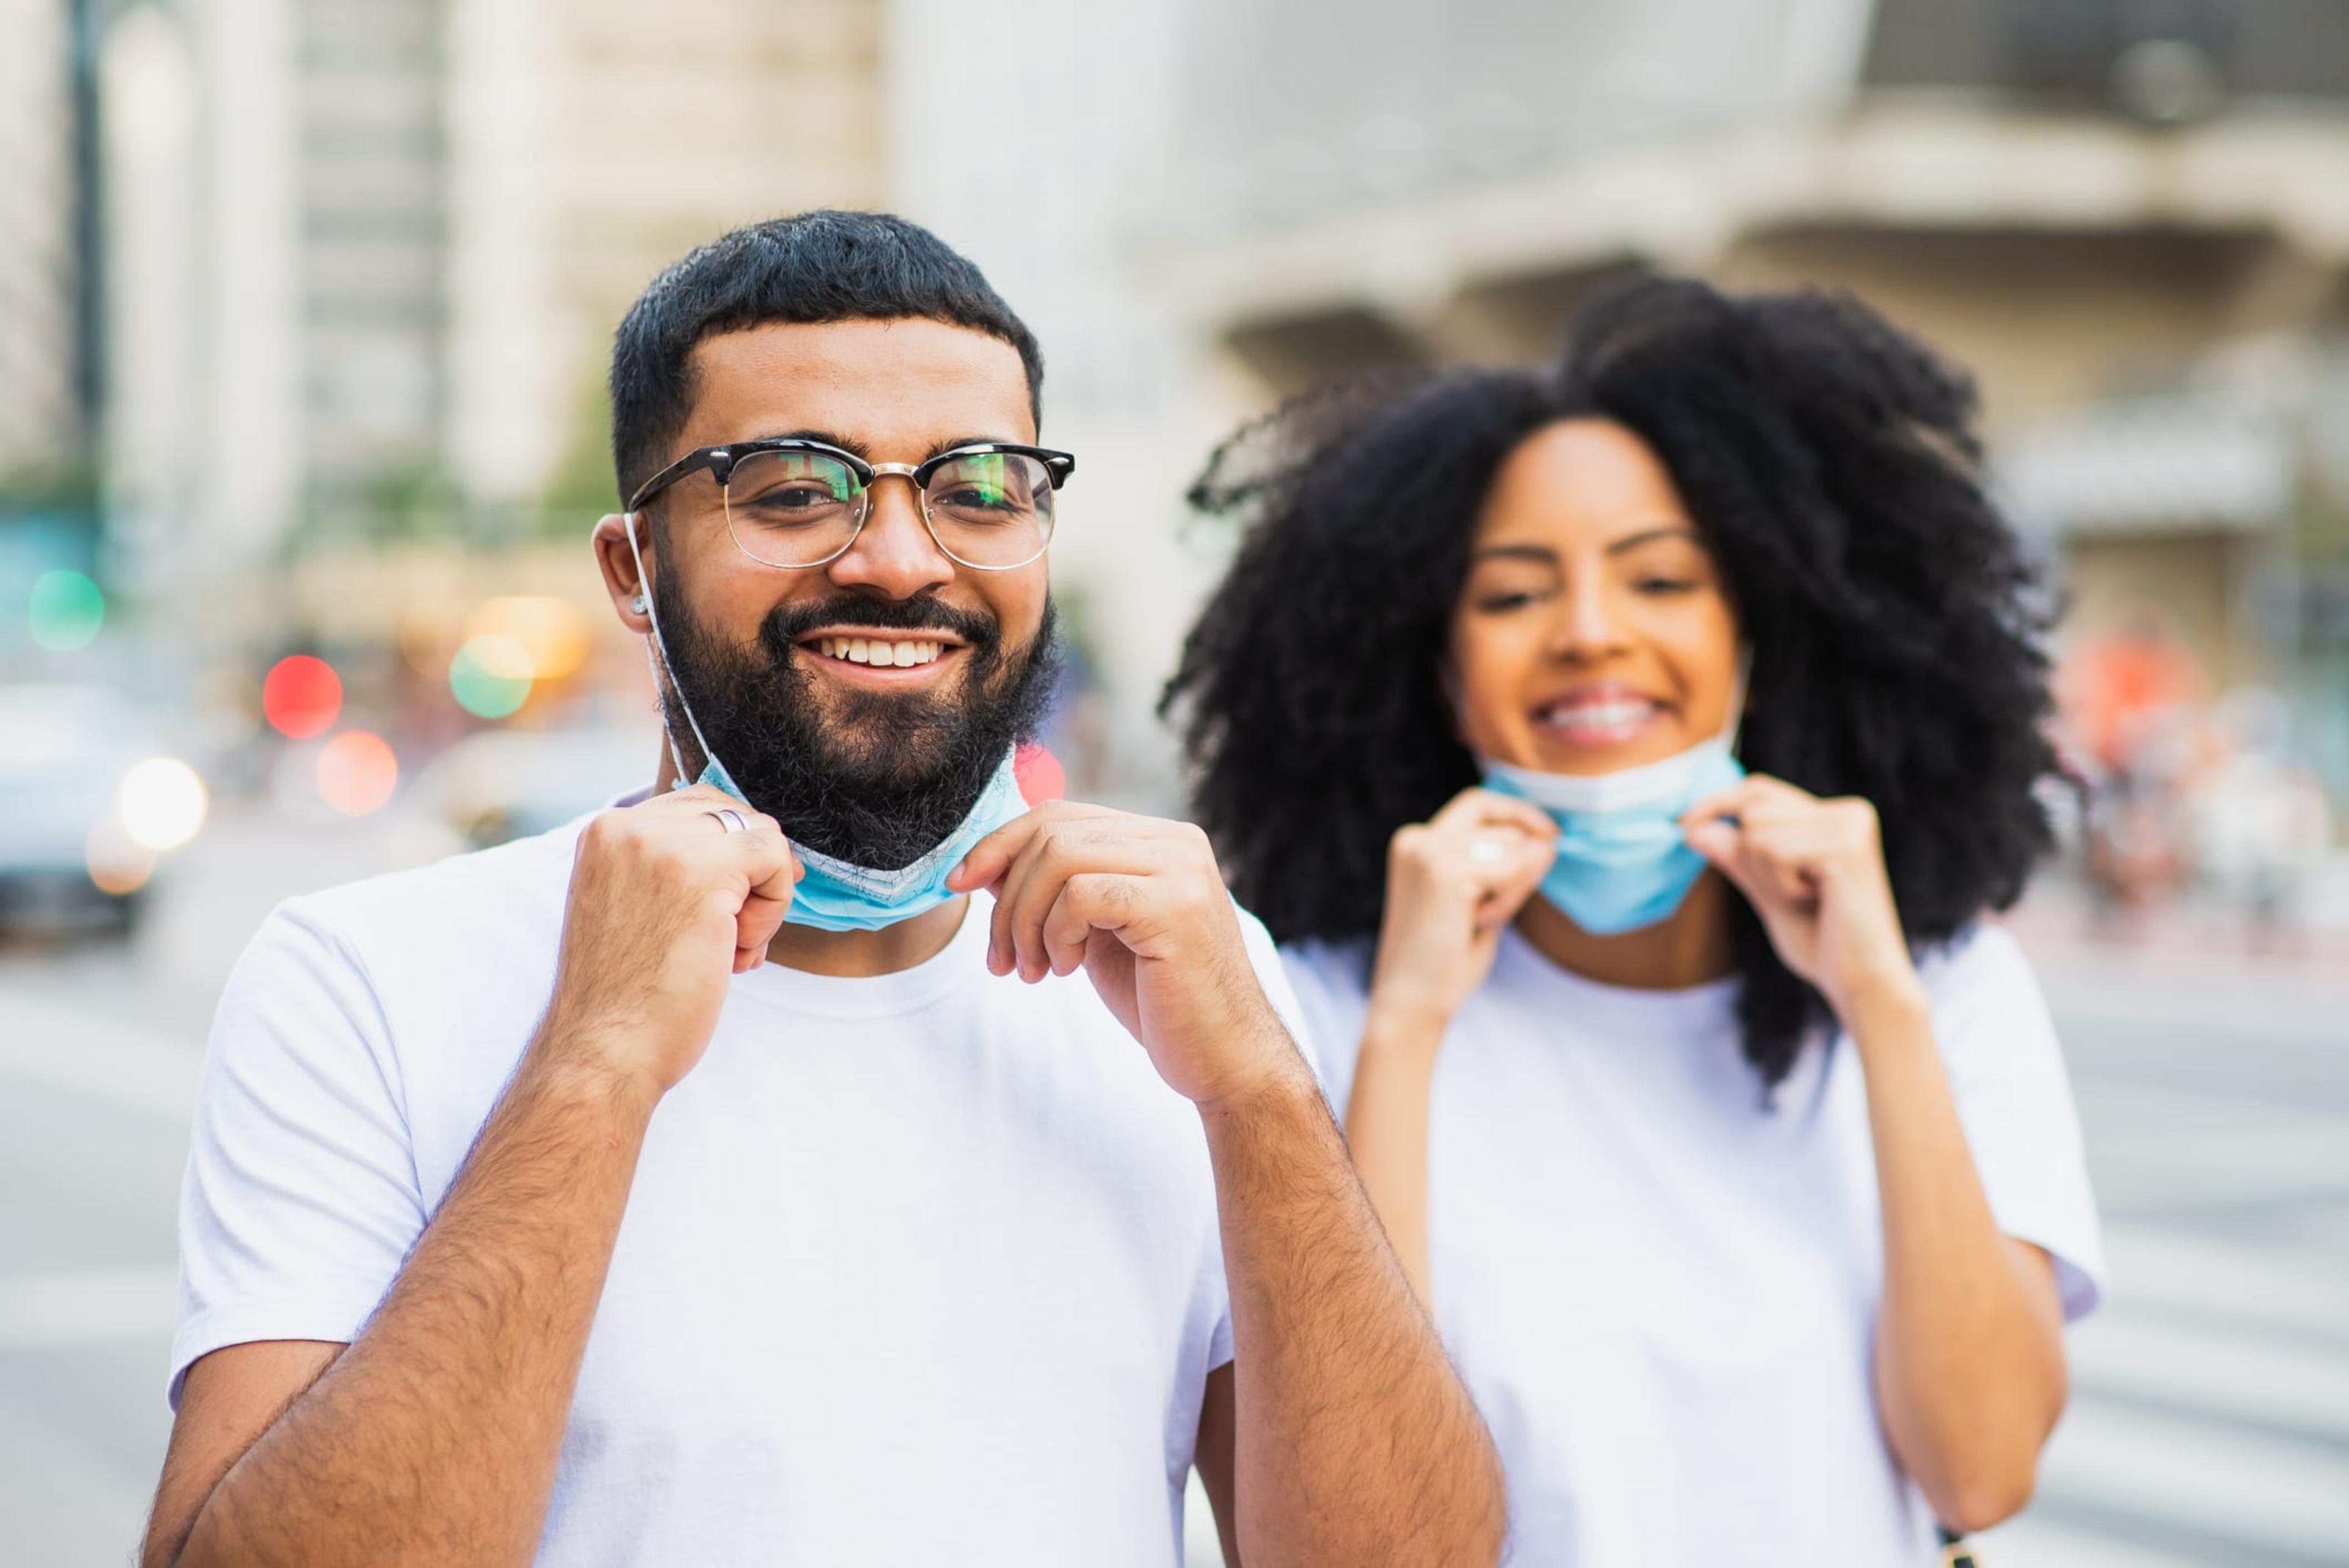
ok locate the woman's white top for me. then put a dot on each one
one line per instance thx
(1660, 1282)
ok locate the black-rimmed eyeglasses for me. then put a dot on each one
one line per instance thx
(793, 502)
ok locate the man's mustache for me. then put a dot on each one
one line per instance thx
(787, 623)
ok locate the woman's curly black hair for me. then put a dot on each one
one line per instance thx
(1831, 463)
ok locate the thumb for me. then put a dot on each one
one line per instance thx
(1722, 842)
(1717, 839)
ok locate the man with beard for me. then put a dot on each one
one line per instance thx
(765, 1171)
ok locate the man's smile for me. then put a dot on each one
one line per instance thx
(894, 657)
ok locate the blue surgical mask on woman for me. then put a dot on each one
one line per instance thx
(1622, 862)
(837, 894)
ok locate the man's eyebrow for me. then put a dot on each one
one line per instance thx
(961, 441)
(851, 444)
(829, 437)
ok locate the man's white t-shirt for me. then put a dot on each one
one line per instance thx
(1660, 1284)
(918, 1269)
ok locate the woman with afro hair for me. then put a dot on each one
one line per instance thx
(1628, 759)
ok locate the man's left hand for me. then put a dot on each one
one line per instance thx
(1140, 904)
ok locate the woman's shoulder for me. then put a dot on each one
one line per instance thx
(1331, 983)
(1341, 969)
(1981, 970)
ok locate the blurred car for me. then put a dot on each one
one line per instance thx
(510, 783)
(65, 751)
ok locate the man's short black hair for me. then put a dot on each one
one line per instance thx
(819, 266)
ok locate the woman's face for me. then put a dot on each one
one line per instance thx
(1594, 632)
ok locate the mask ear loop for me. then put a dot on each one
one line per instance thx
(1734, 729)
(663, 673)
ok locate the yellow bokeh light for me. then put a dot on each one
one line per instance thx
(118, 863)
(552, 631)
(163, 803)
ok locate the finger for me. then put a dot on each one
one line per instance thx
(755, 926)
(1070, 849)
(1770, 787)
(1091, 901)
(1069, 925)
(1502, 902)
(992, 855)
(1730, 803)
(1477, 806)
(1722, 844)
(1781, 874)
(1523, 815)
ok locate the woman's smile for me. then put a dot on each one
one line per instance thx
(1599, 718)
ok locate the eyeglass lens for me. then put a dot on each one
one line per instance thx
(801, 509)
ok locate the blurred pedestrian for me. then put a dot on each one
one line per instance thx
(1627, 759)
(2261, 823)
(695, 1183)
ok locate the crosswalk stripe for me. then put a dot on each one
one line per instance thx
(2215, 1481)
(2284, 1387)
(2255, 1287)
(72, 1048)
(90, 1306)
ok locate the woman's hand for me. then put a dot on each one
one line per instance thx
(1453, 882)
(1814, 871)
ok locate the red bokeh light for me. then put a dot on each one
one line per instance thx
(302, 696)
(357, 772)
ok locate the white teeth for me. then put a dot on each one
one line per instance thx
(880, 651)
(1603, 714)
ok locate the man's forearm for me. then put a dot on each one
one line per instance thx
(433, 1438)
(1356, 1442)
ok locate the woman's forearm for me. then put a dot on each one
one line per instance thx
(1386, 1129)
(1969, 1347)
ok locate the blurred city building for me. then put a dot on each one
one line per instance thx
(47, 386)
(322, 289)
(2131, 221)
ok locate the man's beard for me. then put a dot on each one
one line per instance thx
(878, 778)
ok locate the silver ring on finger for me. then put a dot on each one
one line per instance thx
(1485, 851)
(729, 818)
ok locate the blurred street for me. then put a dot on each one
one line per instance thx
(2210, 1419)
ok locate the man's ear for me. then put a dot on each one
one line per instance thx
(618, 556)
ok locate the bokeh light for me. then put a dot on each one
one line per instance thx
(163, 803)
(118, 863)
(551, 632)
(66, 611)
(490, 676)
(357, 772)
(1041, 777)
(302, 696)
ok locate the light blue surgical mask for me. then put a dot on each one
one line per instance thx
(1622, 862)
(837, 894)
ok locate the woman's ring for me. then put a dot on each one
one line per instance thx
(729, 818)
(1484, 851)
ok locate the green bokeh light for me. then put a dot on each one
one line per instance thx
(66, 611)
(491, 676)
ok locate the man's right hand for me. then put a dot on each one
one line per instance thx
(666, 905)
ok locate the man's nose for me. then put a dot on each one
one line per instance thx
(894, 551)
